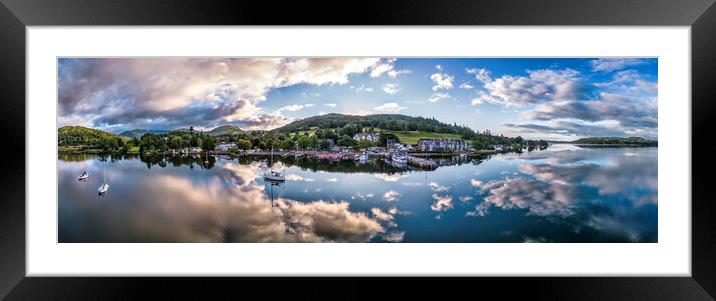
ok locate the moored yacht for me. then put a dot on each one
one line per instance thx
(399, 158)
(273, 175)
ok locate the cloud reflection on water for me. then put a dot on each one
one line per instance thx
(601, 193)
(229, 206)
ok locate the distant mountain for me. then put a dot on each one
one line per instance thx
(137, 133)
(218, 131)
(82, 136)
(616, 141)
(225, 130)
(392, 122)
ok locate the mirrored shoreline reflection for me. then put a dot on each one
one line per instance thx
(563, 194)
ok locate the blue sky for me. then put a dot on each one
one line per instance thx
(550, 98)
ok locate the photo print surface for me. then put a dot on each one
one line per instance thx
(357, 149)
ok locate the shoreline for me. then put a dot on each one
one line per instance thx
(296, 153)
(613, 145)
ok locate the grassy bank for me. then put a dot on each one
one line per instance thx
(412, 137)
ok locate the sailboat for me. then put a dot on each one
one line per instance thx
(272, 183)
(273, 175)
(84, 174)
(105, 186)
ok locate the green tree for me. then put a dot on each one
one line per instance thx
(288, 143)
(363, 144)
(313, 142)
(383, 138)
(243, 144)
(345, 140)
(324, 144)
(208, 143)
(303, 142)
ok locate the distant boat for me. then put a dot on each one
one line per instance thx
(103, 189)
(363, 157)
(83, 176)
(399, 158)
(273, 175)
(105, 186)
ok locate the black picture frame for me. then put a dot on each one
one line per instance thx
(16, 15)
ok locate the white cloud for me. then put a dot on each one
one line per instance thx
(380, 69)
(332, 180)
(332, 105)
(612, 64)
(631, 82)
(442, 81)
(381, 215)
(295, 177)
(437, 187)
(387, 67)
(435, 97)
(389, 107)
(157, 92)
(294, 108)
(388, 177)
(466, 86)
(395, 73)
(442, 203)
(628, 112)
(539, 86)
(482, 75)
(395, 236)
(391, 195)
(483, 97)
(362, 88)
(439, 67)
(391, 88)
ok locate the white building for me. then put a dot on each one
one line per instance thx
(225, 146)
(372, 137)
(190, 150)
(428, 145)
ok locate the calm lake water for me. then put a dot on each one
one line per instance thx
(563, 194)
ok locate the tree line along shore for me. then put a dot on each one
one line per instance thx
(324, 133)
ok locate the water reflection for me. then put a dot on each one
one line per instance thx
(563, 194)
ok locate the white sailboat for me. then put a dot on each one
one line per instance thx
(84, 174)
(273, 175)
(105, 186)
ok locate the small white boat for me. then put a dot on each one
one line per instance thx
(399, 159)
(83, 176)
(363, 157)
(103, 189)
(272, 175)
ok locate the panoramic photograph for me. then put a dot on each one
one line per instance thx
(357, 150)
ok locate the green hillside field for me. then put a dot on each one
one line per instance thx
(412, 137)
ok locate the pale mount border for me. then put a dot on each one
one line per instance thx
(669, 257)
(15, 15)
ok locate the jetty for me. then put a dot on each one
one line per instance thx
(421, 162)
